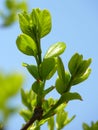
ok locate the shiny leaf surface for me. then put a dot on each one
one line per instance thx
(26, 45)
(55, 50)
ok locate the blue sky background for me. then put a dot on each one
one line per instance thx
(76, 23)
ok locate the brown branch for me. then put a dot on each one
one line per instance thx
(36, 116)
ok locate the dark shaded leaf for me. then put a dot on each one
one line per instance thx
(33, 70)
(46, 67)
(74, 62)
(60, 69)
(60, 86)
(66, 97)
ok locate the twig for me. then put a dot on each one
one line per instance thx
(36, 116)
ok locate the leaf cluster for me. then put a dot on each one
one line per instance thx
(34, 27)
(94, 126)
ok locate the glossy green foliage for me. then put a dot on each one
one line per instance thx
(94, 126)
(79, 68)
(42, 20)
(55, 50)
(26, 45)
(77, 65)
(13, 7)
(37, 24)
(34, 26)
(82, 78)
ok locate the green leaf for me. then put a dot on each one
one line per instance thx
(51, 73)
(60, 86)
(45, 22)
(83, 67)
(10, 19)
(46, 67)
(74, 62)
(51, 123)
(35, 87)
(78, 80)
(61, 69)
(26, 45)
(85, 126)
(26, 114)
(55, 50)
(94, 126)
(10, 4)
(25, 23)
(37, 24)
(78, 66)
(33, 70)
(48, 90)
(62, 119)
(42, 20)
(68, 96)
(26, 100)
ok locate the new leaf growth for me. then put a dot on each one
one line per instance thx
(35, 26)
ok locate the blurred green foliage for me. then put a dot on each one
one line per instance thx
(10, 85)
(94, 126)
(12, 8)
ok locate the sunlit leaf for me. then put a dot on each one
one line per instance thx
(55, 50)
(78, 80)
(42, 20)
(78, 66)
(45, 22)
(26, 45)
(83, 67)
(51, 73)
(24, 21)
